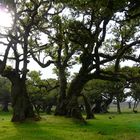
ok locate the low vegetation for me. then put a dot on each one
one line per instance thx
(112, 126)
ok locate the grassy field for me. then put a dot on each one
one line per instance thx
(104, 127)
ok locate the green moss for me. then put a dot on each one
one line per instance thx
(104, 127)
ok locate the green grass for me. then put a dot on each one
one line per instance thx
(105, 127)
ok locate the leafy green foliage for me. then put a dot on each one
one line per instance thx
(131, 72)
(5, 84)
(43, 93)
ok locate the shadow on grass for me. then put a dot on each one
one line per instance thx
(31, 130)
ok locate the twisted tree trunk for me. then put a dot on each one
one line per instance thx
(98, 105)
(89, 112)
(61, 103)
(22, 107)
(74, 91)
(118, 104)
(106, 104)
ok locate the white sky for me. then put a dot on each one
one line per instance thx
(46, 72)
(5, 18)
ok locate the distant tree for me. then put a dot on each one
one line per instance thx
(133, 74)
(101, 94)
(43, 93)
(98, 94)
(135, 93)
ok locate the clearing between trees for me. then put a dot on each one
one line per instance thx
(125, 126)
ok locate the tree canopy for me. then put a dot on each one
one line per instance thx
(92, 34)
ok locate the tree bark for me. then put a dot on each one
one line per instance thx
(61, 104)
(135, 106)
(74, 91)
(88, 108)
(118, 104)
(73, 109)
(129, 105)
(106, 104)
(22, 107)
(98, 107)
